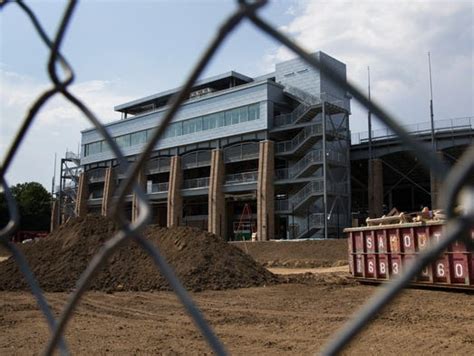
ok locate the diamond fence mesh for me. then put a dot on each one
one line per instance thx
(458, 182)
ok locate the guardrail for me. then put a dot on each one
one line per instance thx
(158, 188)
(196, 183)
(196, 159)
(244, 177)
(158, 165)
(454, 125)
(240, 152)
(300, 138)
(307, 102)
(96, 175)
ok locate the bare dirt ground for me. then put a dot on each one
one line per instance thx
(293, 318)
(319, 270)
(297, 254)
(296, 315)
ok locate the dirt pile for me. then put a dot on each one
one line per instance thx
(201, 260)
(298, 254)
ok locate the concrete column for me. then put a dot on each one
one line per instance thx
(376, 189)
(217, 218)
(82, 195)
(141, 180)
(265, 192)
(109, 188)
(436, 185)
(175, 200)
(54, 215)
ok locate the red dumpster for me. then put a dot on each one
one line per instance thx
(379, 253)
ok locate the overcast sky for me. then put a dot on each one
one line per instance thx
(125, 50)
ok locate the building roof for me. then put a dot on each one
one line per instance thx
(169, 93)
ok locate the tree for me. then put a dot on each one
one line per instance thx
(34, 205)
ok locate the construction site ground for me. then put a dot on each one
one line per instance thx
(293, 318)
(296, 315)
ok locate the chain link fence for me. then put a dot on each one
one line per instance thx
(458, 181)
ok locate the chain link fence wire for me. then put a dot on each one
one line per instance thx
(458, 182)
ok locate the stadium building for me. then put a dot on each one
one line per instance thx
(266, 155)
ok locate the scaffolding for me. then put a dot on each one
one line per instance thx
(66, 192)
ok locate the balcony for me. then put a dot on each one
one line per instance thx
(96, 175)
(158, 188)
(196, 159)
(241, 152)
(244, 177)
(196, 183)
(158, 165)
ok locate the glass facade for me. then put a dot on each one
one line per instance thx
(185, 127)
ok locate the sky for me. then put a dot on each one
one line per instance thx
(124, 50)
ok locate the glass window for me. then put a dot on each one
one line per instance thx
(93, 148)
(123, 141)
(254, 112)
(138, 138)
(235, 116)
(244, 114)
(220, 119)
(228, 118)
(198, 123)
(205, 122)
(149, 133)
(105, 146)
(189, 126)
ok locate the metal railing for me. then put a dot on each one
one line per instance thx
(196, 183)
(299, 139)
(241, 152)
(308, 101)
(244, 177)
(196, 159)
(158, 165)
(96, 175)
(454, 126)
(458, 185)
(158, 188)
(316, 187)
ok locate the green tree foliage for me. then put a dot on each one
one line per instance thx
(34, 205)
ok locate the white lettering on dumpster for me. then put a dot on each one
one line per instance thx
(369, 242)
(371, 267)
(395, 267)
(440, 270)
(407, 240)
(381, 245)
(458, 270)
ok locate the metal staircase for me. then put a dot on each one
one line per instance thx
(301, 142)
(69, 180)
(305, 111)
(314, 190)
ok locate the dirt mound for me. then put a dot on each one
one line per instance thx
(298, 254)
(200, 259)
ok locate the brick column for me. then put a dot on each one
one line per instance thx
(217, 218)
(82, 195)
(265, 192)
(109, 187)
(175, 200)
(376, 189)
(54, 215)
(436, 185)
(141, 180)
